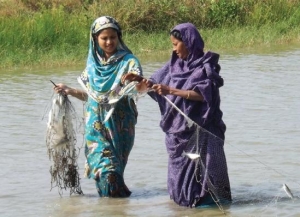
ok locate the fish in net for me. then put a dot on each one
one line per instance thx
(110, 100)
(61, 146)
(205, 150)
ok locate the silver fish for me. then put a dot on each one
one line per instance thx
(108, 114)
(128, 90)
(288, 191)
(191, 155)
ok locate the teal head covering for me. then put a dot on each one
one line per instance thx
(106, 22)
(101, 77)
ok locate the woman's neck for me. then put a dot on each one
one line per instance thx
(108, 55)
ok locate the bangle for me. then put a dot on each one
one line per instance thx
(188, 96)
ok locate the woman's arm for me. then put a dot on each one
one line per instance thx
(79, 94)
(187, 94)
(162, 89)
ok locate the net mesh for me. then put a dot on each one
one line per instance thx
(210, 164)
(61, 138)
(206, 151)
(113, 97)
(61, 146)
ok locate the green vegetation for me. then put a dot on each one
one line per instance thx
(56, 32)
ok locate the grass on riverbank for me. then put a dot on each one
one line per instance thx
(152, 45)
(55, 33)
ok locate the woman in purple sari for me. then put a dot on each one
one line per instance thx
(190, 81)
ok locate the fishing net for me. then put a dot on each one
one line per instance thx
(113, 98)
(61, 146)
(61, 138)
(206, 151)
(210, 164)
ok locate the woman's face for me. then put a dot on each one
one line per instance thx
(108, 41)
(179, 48)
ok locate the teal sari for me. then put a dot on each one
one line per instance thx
(108, 143)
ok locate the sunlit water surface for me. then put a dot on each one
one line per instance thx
(260, 101)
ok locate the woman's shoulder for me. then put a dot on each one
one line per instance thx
(133, 63)
(211, 57)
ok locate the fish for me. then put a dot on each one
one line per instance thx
(192, 156)
(128, 90)
(288, 191)
(108, 114)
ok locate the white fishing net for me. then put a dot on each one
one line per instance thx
(61, 146)
(113, 98)
(61, 138)
(206, 151)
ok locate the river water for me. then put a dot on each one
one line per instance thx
(260, 101)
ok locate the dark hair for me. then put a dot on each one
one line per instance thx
(95, 35)
(175, 33)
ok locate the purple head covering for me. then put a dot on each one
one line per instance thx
(192, 40)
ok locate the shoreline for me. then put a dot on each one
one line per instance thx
(156, 56)
(56, 33)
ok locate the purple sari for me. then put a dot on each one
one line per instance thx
(200, 73)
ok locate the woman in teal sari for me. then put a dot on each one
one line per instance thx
(110, 117)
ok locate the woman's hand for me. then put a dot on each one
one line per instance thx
(131, 77)
(162, 89)
(64, 89)
(143, 85)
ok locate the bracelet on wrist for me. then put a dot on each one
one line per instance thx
(188, 95)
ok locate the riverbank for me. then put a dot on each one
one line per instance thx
(56, 33)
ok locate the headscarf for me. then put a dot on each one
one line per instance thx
(193, 41)
(198, 72)
(101, 77)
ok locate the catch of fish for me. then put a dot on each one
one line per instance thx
(288, 191)
(127, 90)
(192, 156)
(61, 141)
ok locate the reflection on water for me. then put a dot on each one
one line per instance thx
(260, 101)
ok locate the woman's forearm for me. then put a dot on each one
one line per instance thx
(79, 94)
(187, 94)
